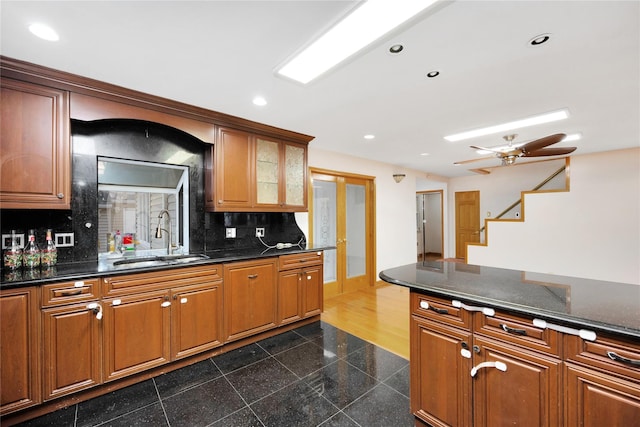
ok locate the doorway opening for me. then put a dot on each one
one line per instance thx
(429, 225)
(342, 214)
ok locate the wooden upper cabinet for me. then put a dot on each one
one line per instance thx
(229, 182)
(35, 154)
(248, 172)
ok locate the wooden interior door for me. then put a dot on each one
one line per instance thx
(467, 221)
(342, 215)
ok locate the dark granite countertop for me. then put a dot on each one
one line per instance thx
(93, 269)
(568, 301)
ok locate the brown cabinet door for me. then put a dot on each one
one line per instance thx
(526, 394)
(312, 291)
(289, 296)
(250, 297)
(136, 333)
(233, 172)
(196, 318)
(440, 379)
(35, 156)
(72, 349)
(596, 399)
(19, 349)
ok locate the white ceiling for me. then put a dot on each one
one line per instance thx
(220, 54)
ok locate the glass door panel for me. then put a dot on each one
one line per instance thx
(324, 225)
(267, 159)
(295, 175)
(355, 231)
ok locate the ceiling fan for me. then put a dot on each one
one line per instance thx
(535, 148)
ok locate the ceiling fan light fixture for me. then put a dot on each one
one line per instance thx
(516, 124)
(364, 25)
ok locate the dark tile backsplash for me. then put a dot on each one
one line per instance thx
(144, 141)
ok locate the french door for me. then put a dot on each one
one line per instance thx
(341, 214)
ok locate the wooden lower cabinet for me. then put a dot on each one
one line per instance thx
(527, 394)
(19, 349)
(596, 399)
(196, 319)
(300, 287)
(72, 344)
(136, 333)
(250, 297)
(440, 380)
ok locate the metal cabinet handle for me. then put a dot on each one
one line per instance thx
(513, 330)
(252, 276)
(498, 365)
(71, 293)
(618, 358)
(425, 305)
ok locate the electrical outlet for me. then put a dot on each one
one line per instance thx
(6, 240)
(260, 232)
(63, 240)
(231, 233)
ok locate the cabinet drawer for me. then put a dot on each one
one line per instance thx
(144, 282)
(299, 260)
(70, 292)
(605, 353)
(440, 310)
(520, 331)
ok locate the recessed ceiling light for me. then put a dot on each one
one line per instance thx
(424, 154)
(367, 23)
(369, 136)
(572, 137)
(516, 124)
(259, 101)
(44, 32)
(432, 74)
(540, 39)
(396, 48)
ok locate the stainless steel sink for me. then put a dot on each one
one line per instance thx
(160, 260)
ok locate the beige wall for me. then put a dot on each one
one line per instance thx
(593, 231)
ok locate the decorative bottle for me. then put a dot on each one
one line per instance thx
(13, 254)
(49, 256)
(31, 252)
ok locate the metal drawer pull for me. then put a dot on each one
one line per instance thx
(71, 293)
(513, 330)
(582, 333)
(485, 310)
(252, 276)
(427, 306)
(500, 366)
(619, 358)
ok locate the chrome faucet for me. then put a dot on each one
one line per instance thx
(159, 230)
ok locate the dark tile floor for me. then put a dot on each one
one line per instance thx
(314, 375)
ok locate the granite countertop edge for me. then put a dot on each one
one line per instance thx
(549, 316)
(92, 269)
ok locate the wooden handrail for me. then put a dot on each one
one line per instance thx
(537, 187)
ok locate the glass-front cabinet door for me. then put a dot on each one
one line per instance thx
(281, 176)
(267, 172)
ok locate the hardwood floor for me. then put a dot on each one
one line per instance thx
(379, 315)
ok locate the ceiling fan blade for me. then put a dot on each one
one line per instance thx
(475, 147)
(473, 160)
(542, 142)
(557, 151)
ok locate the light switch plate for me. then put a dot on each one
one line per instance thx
(62, 240)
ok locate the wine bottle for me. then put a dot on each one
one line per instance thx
(13, 254)
(49, 256)
(31, 252)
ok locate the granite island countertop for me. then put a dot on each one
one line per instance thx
(100, 268)
(569, 301)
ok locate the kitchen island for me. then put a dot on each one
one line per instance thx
(493, 346)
